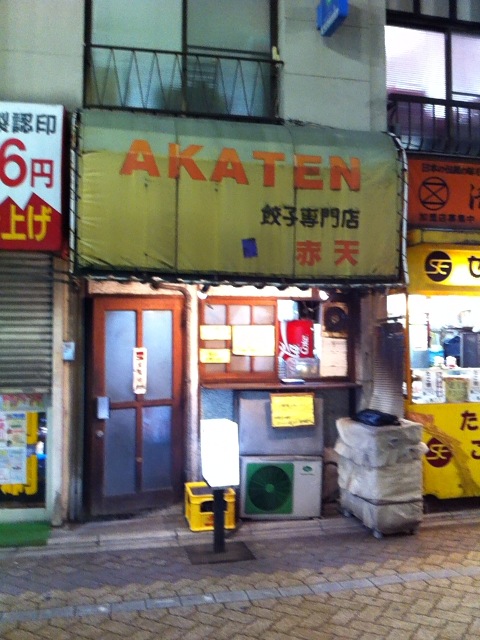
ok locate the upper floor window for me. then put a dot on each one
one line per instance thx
(432, 57)
(433, 64)
(188, 56)
(464, 10)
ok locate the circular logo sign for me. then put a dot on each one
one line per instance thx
(438, 266)
(438, 455)
(433, 193)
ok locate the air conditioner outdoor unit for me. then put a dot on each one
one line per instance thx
(280, 487)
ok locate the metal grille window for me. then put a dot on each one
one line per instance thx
(26, 322)
(433, 86)
(194, 56)
(461, 10)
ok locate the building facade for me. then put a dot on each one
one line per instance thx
(433, 107)
(228, 174)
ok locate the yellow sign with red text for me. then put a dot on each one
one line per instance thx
(185, 197)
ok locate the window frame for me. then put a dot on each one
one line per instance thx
(184, 90)
(229, 378)
(447, 26)
(184, 50)
(229, 375)
(416, 15)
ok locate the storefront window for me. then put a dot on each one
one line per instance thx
(268, 340)
(23, 450)
(444, 348)
(238, 339)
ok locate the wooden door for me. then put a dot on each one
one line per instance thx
(134, 448)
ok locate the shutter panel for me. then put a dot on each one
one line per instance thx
(26, 322)
(389, 368)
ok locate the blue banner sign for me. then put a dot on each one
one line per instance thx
(330, 15)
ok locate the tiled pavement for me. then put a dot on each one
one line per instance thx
(318, 579)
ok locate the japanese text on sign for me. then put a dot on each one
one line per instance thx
(311, 217)
(444, 193)
(139, 370)
(470, 423)
(30, 176)
(292, 410)
(13, 447)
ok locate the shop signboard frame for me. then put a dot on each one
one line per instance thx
(450, 412)
(32, 176)
(232, 201)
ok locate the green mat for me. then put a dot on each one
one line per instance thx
(24, 534)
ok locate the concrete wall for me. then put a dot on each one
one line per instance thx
(338, 81)
(41, 51)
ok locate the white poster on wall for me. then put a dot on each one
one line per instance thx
(13, 447)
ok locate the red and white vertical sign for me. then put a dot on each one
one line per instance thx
(140, 370)
(31, 145)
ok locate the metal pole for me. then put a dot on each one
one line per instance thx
(218, 521)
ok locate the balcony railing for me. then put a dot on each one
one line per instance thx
(429, 125)
(194, 83)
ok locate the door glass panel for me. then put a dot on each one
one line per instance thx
(120, 341)
(156, 447)
(119, 453)
(158, 340)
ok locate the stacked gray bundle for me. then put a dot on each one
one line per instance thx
(380, 474)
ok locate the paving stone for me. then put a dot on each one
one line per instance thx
(230, 596)
(342, 585)
(162, 603)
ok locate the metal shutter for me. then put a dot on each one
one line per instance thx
(388, 375)
(26, 322)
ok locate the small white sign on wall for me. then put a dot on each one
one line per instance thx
(220, 454)
(140, 370)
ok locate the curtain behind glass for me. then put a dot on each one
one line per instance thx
(438, 8)
(150, 24)
(465, 65)
(415, 62)
(468, 10)
(229, 24)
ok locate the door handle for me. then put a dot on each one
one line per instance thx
(99, 433)
(103, 407)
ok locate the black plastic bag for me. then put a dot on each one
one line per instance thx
(376, 418)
